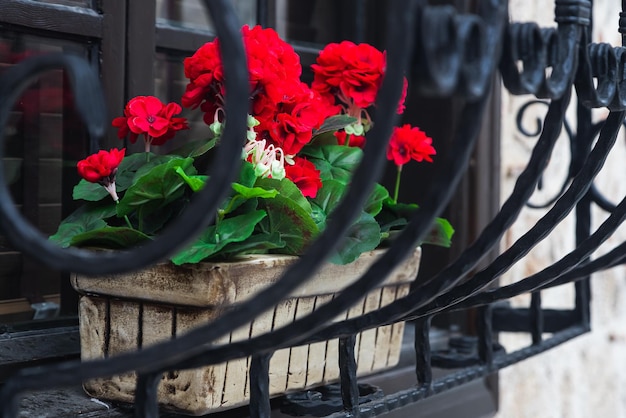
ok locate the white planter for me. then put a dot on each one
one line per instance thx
(119, 314)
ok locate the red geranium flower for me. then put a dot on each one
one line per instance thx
(148, 116)
(352, 73)
(101, 168)
(304, 174)
(408, 144)
(290, 124)
(205, 73)
(273, 67)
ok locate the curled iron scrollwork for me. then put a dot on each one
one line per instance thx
(538, 128)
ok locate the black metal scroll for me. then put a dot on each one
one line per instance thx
(448, 53)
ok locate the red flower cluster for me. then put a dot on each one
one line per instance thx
(148, 116)
(408, 144)
(287, 110)
(353, 74)
(101, 167)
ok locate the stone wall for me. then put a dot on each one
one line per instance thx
(585, 377)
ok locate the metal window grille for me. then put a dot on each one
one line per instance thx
(461, 60)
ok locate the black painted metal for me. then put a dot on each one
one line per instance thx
(259, 386)
(347, 371)
(145, 395)
(422, 352)
(448, 54)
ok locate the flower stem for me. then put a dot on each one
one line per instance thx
(396, 190)
(117, 202)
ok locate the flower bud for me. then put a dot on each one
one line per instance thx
(216, 128)
(278, 170)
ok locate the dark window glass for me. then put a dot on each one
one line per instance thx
(191, 13)
(45, 138)
(170, 83)
(80, 3)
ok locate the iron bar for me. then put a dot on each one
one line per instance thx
(347, 371)
(146, 405)
(259, 386)
(421, 343)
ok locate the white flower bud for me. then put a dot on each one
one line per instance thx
(216, 128)
(278, 170)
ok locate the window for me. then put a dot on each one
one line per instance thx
(44, 140)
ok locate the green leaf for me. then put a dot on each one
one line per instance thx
(294, 224)
(326, 138)
(287, 189)
(243, 193)
(216, 237)
(364, 235)
(159, 186)
(153, 216)
(68, 230)
(247, 176)
(255, 244)
(196, 148)
(440, 234)
(147, 166)
(327, 199)
(329, 196)
(196, 183)
(395, 216)
(335, 123)
(91, 192)
(374, 203)
(253, 192)
(335, 162)
(86, 218)
(129, 166)
(110, 237)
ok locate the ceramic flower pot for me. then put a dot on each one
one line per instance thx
(127, 313)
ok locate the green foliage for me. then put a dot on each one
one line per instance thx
(196, 183)
(260, 215)
(335, 162)
(214, 238)
(159, 186)
(86, 218)
(259, 243)
(110, 237)
(395, 216)
(289, 216)
(364, 235)
(334, 123)
(196, 148)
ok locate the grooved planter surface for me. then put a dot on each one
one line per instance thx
(126, 312)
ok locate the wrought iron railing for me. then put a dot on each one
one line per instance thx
(448, 54)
